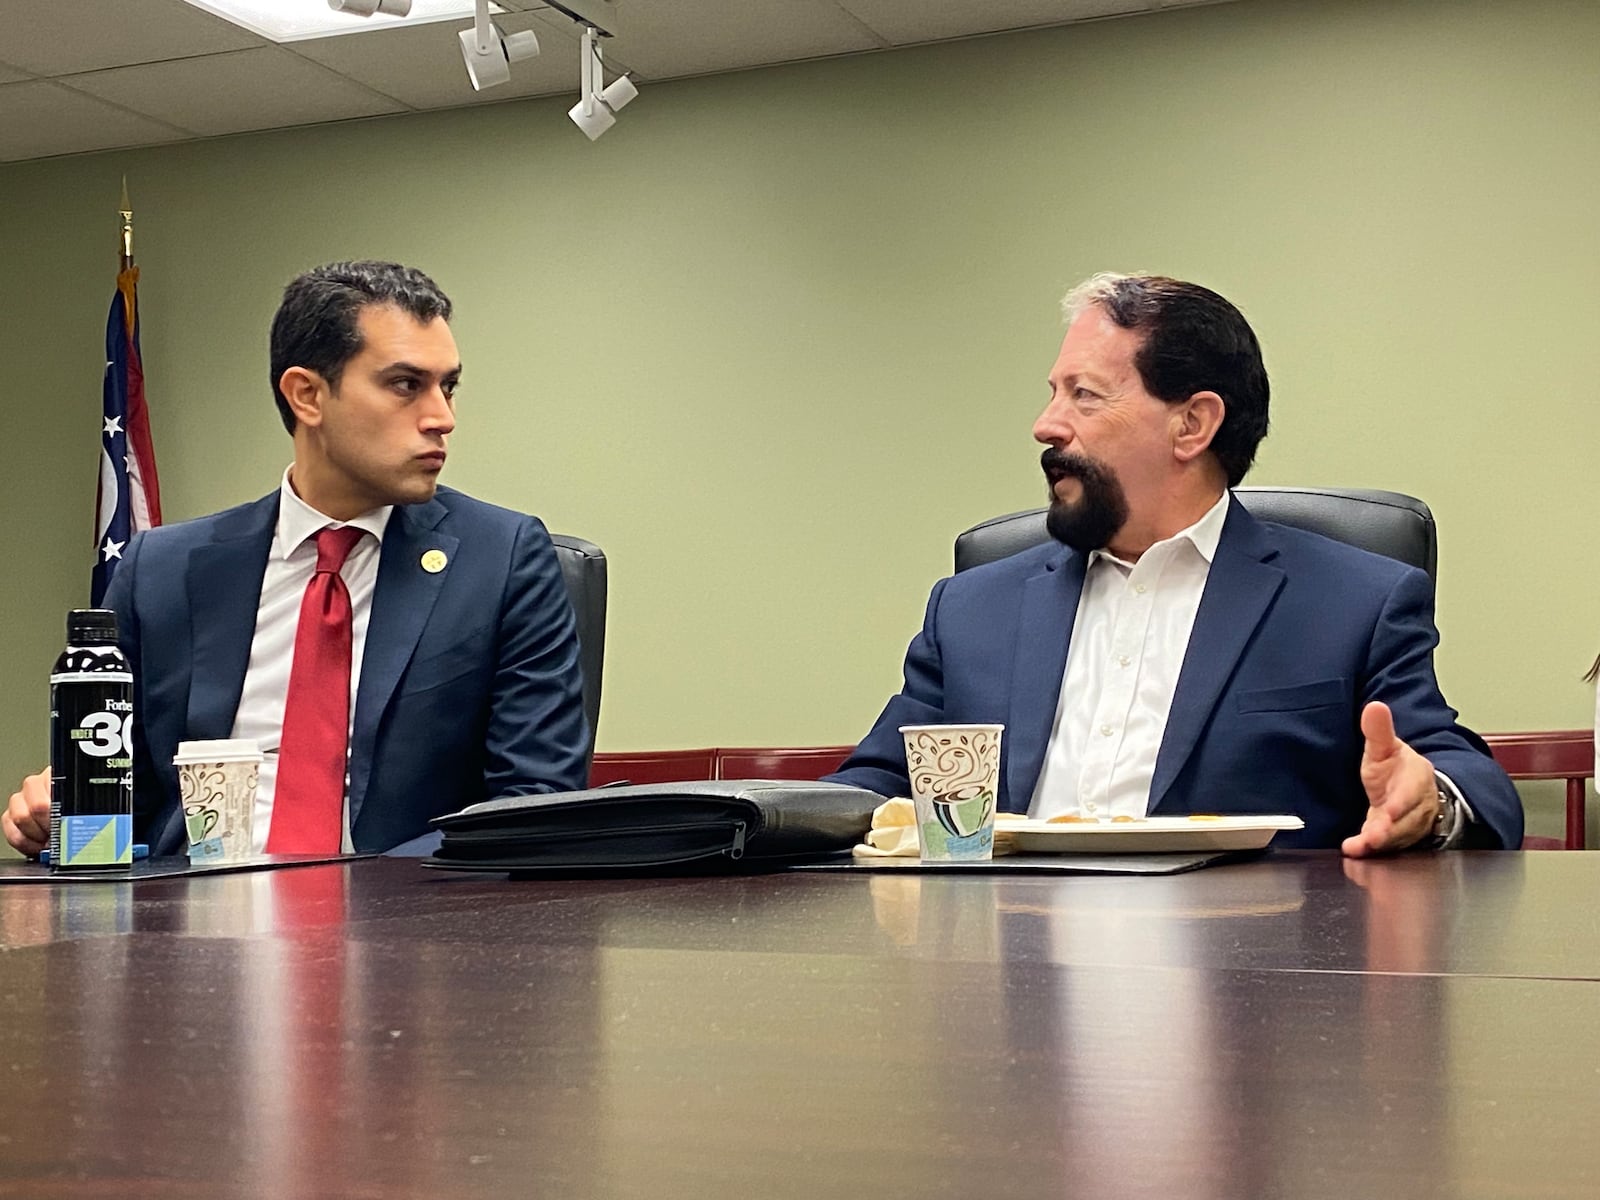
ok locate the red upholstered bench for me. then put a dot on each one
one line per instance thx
(652, 766)
(672, 766)
(1566, 754)
(805, 762)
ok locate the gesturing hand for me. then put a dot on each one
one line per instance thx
(1402, 795)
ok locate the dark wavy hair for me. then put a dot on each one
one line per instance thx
(316, 325)
(1194, 341)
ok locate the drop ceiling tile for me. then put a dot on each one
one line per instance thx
(904, 22)
(43, 118)
(48, 37)
(421, 66)
(697, 37)
(267, 88)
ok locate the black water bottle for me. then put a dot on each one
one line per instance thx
(91, 748)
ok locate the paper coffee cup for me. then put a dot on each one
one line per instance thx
(217, 786)
(955, 781)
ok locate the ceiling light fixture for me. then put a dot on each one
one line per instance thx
(597, 110)
(489, 53)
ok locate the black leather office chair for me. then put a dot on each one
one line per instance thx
(583, 570)
(1387, 523)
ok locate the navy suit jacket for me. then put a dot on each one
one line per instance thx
(470, 686)
(1294, 635)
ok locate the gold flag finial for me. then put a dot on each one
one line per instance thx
(127, 227)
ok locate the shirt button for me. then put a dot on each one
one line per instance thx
(1140, 588)
(1090, 807)
(1105, 731)
(1122, 660)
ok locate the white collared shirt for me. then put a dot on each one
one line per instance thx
(1129, 639)
(291, 562)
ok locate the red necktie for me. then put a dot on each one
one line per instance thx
(308, 801)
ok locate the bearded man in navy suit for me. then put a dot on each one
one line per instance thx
(463, 658)
(1173, 654)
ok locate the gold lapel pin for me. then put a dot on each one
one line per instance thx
(434, 561)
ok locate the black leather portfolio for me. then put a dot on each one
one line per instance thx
(703, 826)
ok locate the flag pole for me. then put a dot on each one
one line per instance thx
(129, 496)
(127, 227)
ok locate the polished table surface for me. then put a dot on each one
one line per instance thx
(1298, 1026)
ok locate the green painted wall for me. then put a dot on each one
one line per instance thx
(781, 334)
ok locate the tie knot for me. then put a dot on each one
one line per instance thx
(334, 546)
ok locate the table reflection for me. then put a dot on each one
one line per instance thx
(1300, 1027)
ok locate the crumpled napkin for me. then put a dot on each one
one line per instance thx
(894, 832)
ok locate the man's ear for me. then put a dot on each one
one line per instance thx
(305, 391)
(1195, 423)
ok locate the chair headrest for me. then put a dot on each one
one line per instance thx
(1388, 523)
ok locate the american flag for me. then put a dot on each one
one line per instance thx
(130, 496)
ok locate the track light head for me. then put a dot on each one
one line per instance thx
(488, 59)
(365, 8)
(595, 121)
(618, 93)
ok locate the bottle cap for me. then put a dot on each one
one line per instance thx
(91, 625)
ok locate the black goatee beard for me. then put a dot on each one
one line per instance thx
(1091, 521)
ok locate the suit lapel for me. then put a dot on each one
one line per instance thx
(1239, 589)
(1044, 631)
(224, 590)
(402, 600)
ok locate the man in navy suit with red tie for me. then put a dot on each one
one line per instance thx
(397, 649)
(1173, 655)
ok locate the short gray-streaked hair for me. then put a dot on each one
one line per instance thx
(1194, 341)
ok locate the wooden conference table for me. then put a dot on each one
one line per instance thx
(1296, 1026)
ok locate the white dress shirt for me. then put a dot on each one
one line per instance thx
(291, 562)
(1129, 639)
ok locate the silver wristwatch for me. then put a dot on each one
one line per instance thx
(1448, 823)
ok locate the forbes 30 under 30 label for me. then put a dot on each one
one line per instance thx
(92, 769)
